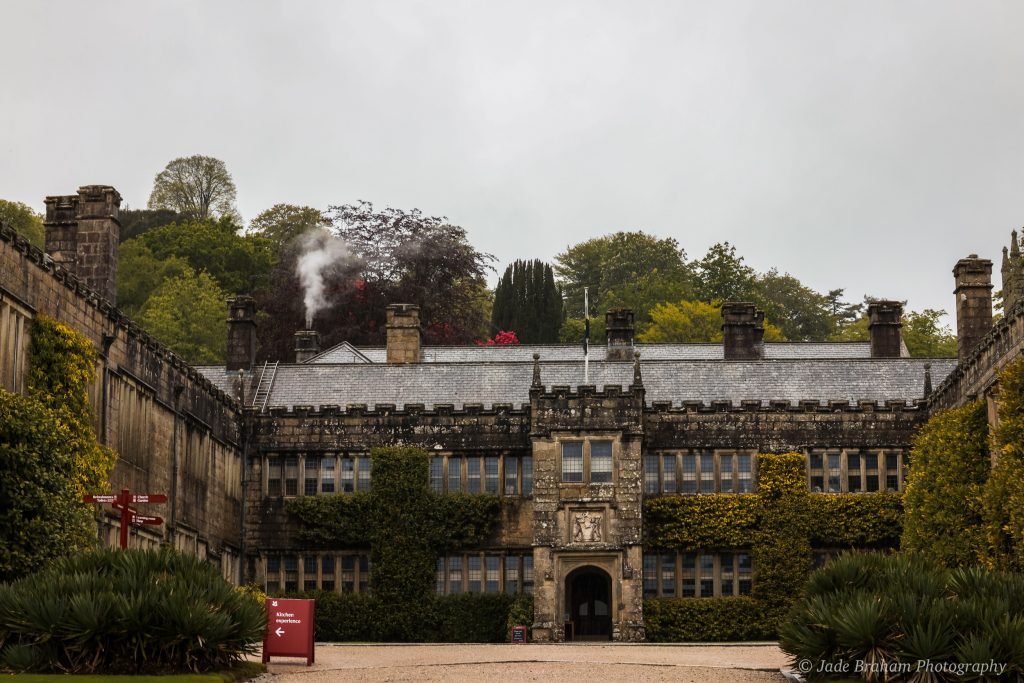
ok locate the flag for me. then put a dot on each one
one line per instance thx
(586, 335)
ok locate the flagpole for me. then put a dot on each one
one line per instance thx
(586, 338)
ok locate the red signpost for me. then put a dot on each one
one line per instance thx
(289, 629)
(129, 515)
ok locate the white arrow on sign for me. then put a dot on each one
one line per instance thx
(279, 632)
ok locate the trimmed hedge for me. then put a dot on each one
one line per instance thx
(464, 618)
(1003, 495)
(706, 620)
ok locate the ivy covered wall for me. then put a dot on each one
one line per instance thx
(781, 524)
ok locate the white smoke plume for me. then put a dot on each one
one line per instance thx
(320, 249)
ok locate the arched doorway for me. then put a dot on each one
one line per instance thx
(588, 598)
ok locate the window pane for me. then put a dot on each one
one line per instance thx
(454, 474)
(274, 563)
(512, 574)
(833, 473)
(707, 575)
(455, 574)
(650, 576)
(273, 476)
(727, 573)
(473, 571)
(528, 574)
(364, 474)
(437, 474)
(746, 571)
(689, 575)
(491, 474)
(291, 476)
(725, 469)
(473, 475)
(600, 462)
(707, 473)
(668, 576)
(572, 461)
(312, 476)
(309, 572)
(511, 475)
(651, 474)
(689, 482)
(327, 472)
(347, 475)
(493, 578)
(746, 481)
(668, 473)
(527, 475)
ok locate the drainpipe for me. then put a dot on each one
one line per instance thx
(244, 436)
(108, 339)
(173, 518)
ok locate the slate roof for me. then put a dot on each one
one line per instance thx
(852, 379)
(346, 353)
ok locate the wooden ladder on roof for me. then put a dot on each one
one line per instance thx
(264, 385)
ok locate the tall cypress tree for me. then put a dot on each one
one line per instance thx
(528, 302)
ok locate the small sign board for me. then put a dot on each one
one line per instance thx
(519, 634)
(289, 629)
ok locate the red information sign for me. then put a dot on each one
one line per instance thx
(129, 515)
(289, 629)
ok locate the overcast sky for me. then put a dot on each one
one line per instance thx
(862, 145)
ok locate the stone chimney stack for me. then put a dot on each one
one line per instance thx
(241, 333)
(742, 331)
(307, 345)
(973, 292)
(403, 321)
(82, 234)
(618, 325)
(885, 318)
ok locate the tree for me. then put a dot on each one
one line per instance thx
(282, 223)
(382, 257)
(801, 313)
(22, 218)
(187, 313)
(198, 187)
(925, 336)
(139, 273)
(135, 222)
(693, 321)
(526, 300)
(239, 263)
(721, 275)
(626, 269)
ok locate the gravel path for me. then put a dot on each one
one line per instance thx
(512, 663)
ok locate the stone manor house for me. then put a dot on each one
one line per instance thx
(573, 458)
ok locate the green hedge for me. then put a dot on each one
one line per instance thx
(670, 620)
(1003, 495)
(465, 618)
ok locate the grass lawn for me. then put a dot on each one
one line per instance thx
(243, 672)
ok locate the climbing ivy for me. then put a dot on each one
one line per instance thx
(779, 524)
(49, 454)
(1003, 494)
(407, 527)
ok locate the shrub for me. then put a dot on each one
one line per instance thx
(464, 618)
(890, 611)
(116, 611)
(669, 620)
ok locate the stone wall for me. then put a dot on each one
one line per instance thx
(174, 432)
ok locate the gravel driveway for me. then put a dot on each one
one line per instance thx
(582, 663)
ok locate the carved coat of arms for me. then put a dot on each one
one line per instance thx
(586, 527)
